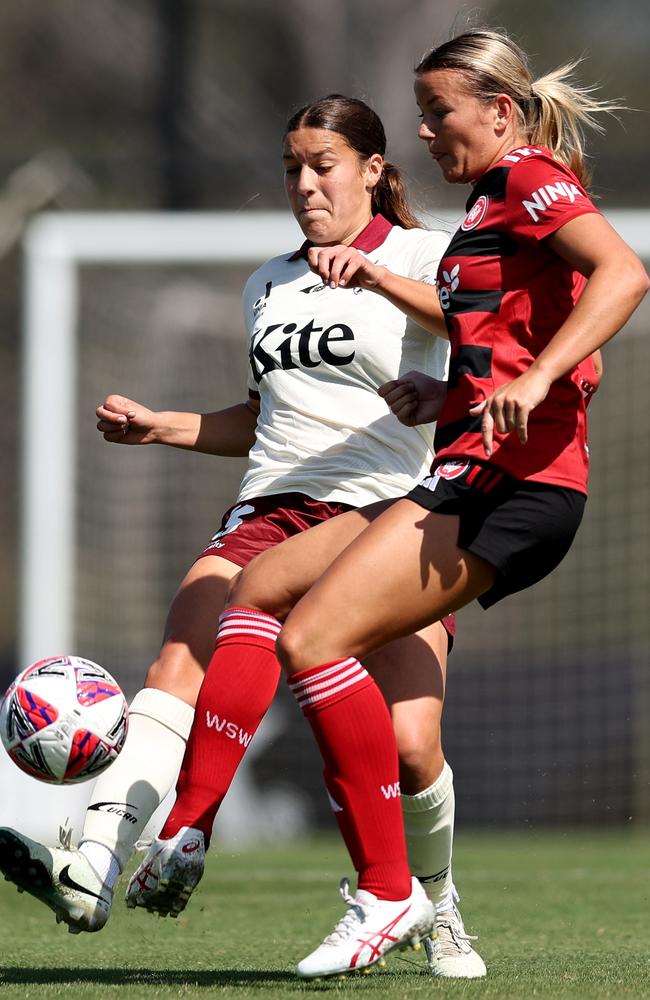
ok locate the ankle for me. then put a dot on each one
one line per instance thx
(102, 860)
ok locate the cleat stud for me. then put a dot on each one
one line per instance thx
(19, 889)
(366, 970)
(382, 963)
(417, 946)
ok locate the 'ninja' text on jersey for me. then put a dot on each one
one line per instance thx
(288, 347)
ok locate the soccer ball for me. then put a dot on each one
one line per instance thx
(63, 720)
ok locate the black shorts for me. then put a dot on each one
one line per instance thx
(522, 528)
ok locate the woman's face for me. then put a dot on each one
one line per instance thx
(329, 188)
(465, 136)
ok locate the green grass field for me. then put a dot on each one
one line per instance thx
(559, 915)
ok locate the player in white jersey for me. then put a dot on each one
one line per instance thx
(320, 441)
(316, 364)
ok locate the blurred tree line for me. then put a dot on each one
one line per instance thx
(181, 103)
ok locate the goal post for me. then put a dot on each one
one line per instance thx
(56, 246)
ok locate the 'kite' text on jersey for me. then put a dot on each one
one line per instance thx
(285, 346)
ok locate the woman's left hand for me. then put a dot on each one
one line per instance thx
(344, 266)
(507, 409)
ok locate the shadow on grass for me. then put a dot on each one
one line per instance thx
(143, 977)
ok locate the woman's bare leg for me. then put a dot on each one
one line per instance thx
(401, 573)
(128, 793)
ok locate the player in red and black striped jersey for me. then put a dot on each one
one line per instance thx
(505, 293)
(507, 490)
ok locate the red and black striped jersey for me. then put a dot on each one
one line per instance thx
(505, 294)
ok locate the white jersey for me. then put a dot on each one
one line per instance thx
(317, 357)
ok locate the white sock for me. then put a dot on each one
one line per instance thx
(429, 826)
(127, 794)
(103, 861)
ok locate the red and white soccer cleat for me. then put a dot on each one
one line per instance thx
(169, 874)
(369, 930)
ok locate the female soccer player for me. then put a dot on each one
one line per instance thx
(320, 442)
(533, 283)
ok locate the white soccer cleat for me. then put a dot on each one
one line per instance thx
(171, 871)
(62, 878)
(448, 950)
(369, 930)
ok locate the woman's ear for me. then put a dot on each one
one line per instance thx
(505, 112)
(373, 167)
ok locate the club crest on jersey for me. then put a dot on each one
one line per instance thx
(452, 470)
(476, 214)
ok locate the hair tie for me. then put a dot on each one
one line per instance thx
(534, 102)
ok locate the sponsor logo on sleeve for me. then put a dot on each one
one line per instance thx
(541, 200)
(448, 285)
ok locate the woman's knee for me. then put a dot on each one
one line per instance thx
(179, 675)
(288, 649)
(421, 758)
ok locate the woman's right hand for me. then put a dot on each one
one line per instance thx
(123, 421)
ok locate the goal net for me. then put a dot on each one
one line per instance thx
(547, 693)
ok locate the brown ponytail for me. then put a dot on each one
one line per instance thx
(389, 198)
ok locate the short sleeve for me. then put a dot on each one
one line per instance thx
(541, 197)
(427, 257)
(248, 301)
(587, 378)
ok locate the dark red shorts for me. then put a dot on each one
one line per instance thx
(253, 526)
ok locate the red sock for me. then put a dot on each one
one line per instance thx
(238, 688)
(352, 726)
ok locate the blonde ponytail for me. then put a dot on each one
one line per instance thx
(562, 112)
(553, 111)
